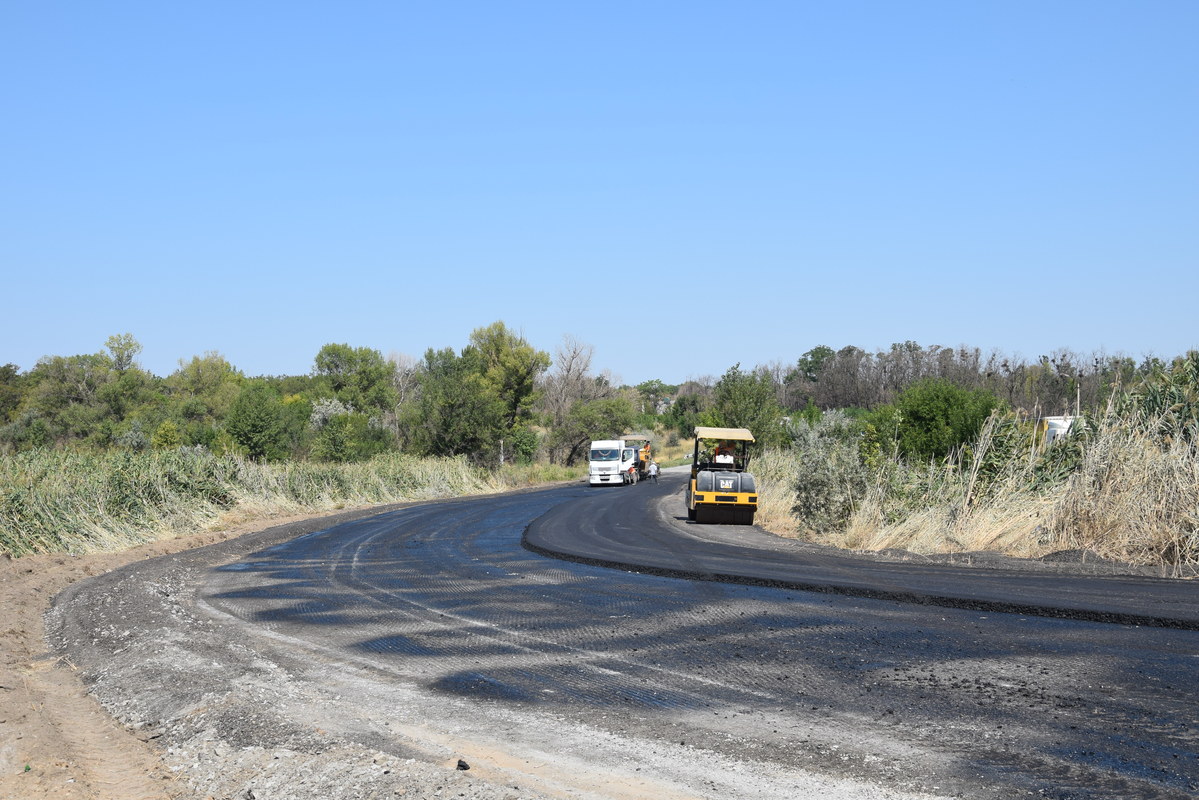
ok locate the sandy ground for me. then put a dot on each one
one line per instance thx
(55, 740)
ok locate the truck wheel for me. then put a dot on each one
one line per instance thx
(691, 514)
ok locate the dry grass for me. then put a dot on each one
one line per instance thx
(1131, 497)
(515, 476)
(774, 472)
(1010, 522)
(672, 455)
(80, 503)
(980, 499)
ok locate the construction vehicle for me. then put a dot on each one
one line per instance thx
(645, 453)
(721, 489)
(619, 461)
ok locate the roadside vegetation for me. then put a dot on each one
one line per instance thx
(926, 449)
(1123, 484)
(86, 502)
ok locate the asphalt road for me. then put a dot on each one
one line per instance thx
(592, 643)
(597, 531)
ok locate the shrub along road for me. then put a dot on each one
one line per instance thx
(376, 655)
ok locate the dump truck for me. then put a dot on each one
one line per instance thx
(645, 452)
(722, 490)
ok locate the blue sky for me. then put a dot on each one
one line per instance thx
(684, 186)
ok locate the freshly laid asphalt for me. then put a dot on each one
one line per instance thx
(591, 642)
(595, 530)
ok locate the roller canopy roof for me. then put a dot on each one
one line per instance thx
(735, 434)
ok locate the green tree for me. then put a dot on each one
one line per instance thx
(200, 394)
(129, 392)
(457, 410)
(810, 413)
(359, 376)
(341, 434)
(256, 421)
(64, 391)
(810, 363)
(297, 428)
(348, 437)
(595, 419)
(93, 398)
(935, 416)
(510, 366)
(11, 392)
(205, 387)
(1166, 399)
(652, 393)
(685, 413)
(879, 439)
(748, 400)
(167, 436)
(123, 350)
(335, 441)
(521, 445)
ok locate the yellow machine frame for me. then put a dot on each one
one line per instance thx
(730, 493)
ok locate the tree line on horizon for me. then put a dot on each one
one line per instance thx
(501, 399)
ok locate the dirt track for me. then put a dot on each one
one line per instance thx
(55, 740)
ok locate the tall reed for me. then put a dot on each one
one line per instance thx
(1120, 490)
(1135, 498)
(60, 501)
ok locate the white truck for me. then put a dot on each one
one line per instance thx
(617, 461)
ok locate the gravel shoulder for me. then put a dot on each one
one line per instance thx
(57, 741)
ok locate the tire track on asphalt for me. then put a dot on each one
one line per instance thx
(405, 624)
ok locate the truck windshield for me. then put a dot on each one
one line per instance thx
(605, 454)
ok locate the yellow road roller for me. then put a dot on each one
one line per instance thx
(721, 489)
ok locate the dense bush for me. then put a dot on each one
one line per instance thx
(829, 475)
(256, 421)
(934, 416)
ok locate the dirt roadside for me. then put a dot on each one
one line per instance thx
(55, 740)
